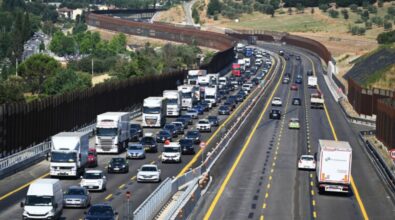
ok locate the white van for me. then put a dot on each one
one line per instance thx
(171, 152)
(44, 200)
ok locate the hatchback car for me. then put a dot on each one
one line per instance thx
(149, 143)
(94, 180)
(307, 162)
(294, 123)
(183, 121)
(179, 127)
(275, 114)
(199, 108)
(92, 157)
(148, 173)
(194, 136)
(76, 196)
(188, 118)
(172, 129)
(203, 125)
(214, 121)
(294, 87)
(101, 211)
(277, 101)
(296, 101)
(118, 165)
(163, 135)
(224, 110)
(193, 113)
(135, 151)
(136, 131)
(285, 80)
(298, 80)
(187, 146)
(309, 72)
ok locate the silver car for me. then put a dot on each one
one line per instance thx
(135, 151)
(76, 196)
(193, 113)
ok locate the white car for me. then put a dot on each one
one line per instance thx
(277, 101)
(307, 162)
(148, 173)
(203, 125)
(94, 180)
(247, 87)
(171, 152)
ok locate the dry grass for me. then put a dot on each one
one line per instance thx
(386, 81)
(100, 78)
(173, 15)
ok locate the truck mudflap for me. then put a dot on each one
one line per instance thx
(334, 188)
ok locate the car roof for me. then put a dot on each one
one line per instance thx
(294, 119)
(93, 171)
(306, 155)
(149, 165)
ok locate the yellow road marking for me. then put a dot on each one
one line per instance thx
(233, 168)
(152, 162)
(108, 197)
(22, 187)
(266, 195)
(313, 202)
(262, 218)
(133, 178)
(315, 214)
(312, 192)
(264, 205)
(268, 185)
(197, 155)
(121, 186)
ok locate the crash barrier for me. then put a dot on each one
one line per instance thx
(15, 162)
(381, 166)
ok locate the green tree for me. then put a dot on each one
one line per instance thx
(11, 5)
(323, 7)
(391, 11)
(11, 90)
(36, 69)
(62, 45)
(345, 13)
(387, 25)
(118, 43)
(372, 9)
(368, 25)
(365, 15)
(65, 81)
(79, 28)
(299, 8)
(386, 37)
(377, 21)
(42, 46)
(333, 13)
(195, 15)
(214, 7)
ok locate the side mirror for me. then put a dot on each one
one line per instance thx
(104, 177)
(116, 213)
(22, 204)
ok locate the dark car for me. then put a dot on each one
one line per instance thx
(239, 98)
(184, 121)
(187, 146)
(179, 127)
(233, 98)
(136, 131)
(296, 101)
(213, 120)
(255, 81)
(172, 129)
(205, 106)
(199, 108)
(163, 135)
(309, 72)
(118, 165)
(223, 94)
(297, 57)
(194, 136)
(298, 81)
(92, 157)
(275, 114)
(149, 144)
(101, 211)
(231, 102)
(76, 196)
(224, 110)
(188, 118)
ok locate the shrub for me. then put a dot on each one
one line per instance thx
(368, 25)
(387, 25)
(386, 37)
(353, 7)
(333, 13)
(323, 7)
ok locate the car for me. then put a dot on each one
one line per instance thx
(309, 73)
(92, 158)
(298, 81)
(135, 151)
(294, 87)
(224, 110)
(187, 146)
(247, 87)
(193, 113)
(136, 132)
(296, 101)
(149, 143)
(275, 114)
(223, 94)
(179, 127)
(285, 80)
(194, 136)
(255, 81)
(277, 101)
(172, 129)
(199, 108)
(148, 173)
(171, 152)
(183, 121)
(205, 106)
(239, 98)
(206, 103)
(307, 162)
(163, 135)
(294, 123)
(118, 165)
(203, 125)
(213, 119)
(76, 196)
(297, 57)
(231, 102)
(94, 180)
(102, 211)
(188, 118)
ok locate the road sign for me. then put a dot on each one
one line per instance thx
(392, 153)
(202, 144)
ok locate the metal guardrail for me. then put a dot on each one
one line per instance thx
(182, 199)
(38, 152)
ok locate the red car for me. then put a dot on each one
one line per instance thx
(92, 157)
(294, 87)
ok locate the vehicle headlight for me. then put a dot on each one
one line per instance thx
(109, 165)
(123, 166)
(100, 182)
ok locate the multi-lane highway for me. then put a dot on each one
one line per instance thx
(261, 179)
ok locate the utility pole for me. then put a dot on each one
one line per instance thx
(16, 67)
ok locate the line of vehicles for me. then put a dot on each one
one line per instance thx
(71, 153)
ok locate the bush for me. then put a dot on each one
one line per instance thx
(353, 7)
(391, 11)
(323, 7)
(345, 13)
(214, 7)
(358, 21)
(356, 30)
(377, 21)
(387, 25)
(372, 9)
(380, 3)
(333, 13)
(386, 37)
(365, 15)
(368, 25)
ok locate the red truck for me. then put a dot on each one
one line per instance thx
(236, 69)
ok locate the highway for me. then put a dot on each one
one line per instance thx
(260, 179)
(14, 187)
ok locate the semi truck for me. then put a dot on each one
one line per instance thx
(188, 97)
(211, 95)
(240, 47)
(214, 77)
(112, 132)
(236, 69)
(334, 160)
(69, 154)
(223, 81)
(173, 105)
(154, 112)
(194, 74)
(317, 100)
(312, 82)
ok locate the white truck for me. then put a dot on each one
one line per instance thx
(173, 105)
(188, 97)
(222, 81)
(312, 82)
(69, 154)
(242, 63)
(316, 100)
(203, 82)
(211, 95)
(154, 112)
(112, 132)
(240, 47)
(247, 62)
(214, 77)
(194, 74)
(334, 166)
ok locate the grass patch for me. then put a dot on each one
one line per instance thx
(383, 78)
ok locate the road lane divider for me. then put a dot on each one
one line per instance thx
(108, 197)
(244, 148)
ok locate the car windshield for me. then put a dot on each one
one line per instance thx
(92, 176)
(75, 192)
(147, 140)
(307, 158)
(63, 157)
(294, 120)
(203, 122)
(223, 108)
(191, 111)
(135, 147)
(210, 97)
(187, 95)
(172, 101)
(169, 127)
(106, 132)
(101, 211)
(149, 168)
(39, 200)
(118, 160)
(212, 117)
(186, 142)
(192, 134)
(135, 126)
(164, 133)
(171, 149)
(152, 110)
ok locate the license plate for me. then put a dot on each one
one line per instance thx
(334, 188)
(116, 168)
(90, 187)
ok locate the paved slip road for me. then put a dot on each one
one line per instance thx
(266, 183)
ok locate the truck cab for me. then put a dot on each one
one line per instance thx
(173, 105)
(154, 112)
(188, 97)
(171, 152)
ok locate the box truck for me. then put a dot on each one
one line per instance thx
(211, 95)
(312, 82)
(154, 112)
(194, 74)
(334, 166)
(69, 154)
(316, 100)
(173, 102)
(112, 132)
